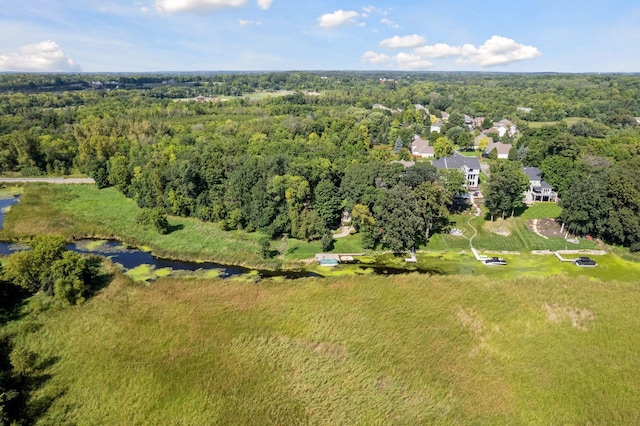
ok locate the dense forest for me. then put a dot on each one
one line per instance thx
(287, 153)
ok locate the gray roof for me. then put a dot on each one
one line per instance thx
(533, 173)
(456, 161)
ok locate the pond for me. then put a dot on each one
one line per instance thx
(5, 206)
(131, 259)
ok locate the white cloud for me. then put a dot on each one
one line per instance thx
(45, 56)
(440, 50)
(408, 61)
(368, 10)
(265, 4)
(244, 22)
(375, 58)
(173, 6)
(495, 51)
(501, 50)
(337, 18)
(389, 23)
(398, 42)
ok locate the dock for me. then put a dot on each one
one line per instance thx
(562, 259)
(333, 259)
(478, 255)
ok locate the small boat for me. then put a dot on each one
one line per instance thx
(494, 261)
(584, 262)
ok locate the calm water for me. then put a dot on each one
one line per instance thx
(5, 205)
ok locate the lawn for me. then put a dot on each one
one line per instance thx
(542, 211)
(569, 120)
(363, 350)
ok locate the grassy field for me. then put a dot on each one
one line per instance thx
(569, 120)
(358, 351)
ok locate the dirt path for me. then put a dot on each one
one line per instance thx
(345, 231)
(58, 181)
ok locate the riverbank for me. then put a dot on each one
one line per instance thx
(83, 211)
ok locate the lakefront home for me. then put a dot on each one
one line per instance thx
(470, 166)
(539, 190)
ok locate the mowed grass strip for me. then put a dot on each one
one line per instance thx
(366, 350)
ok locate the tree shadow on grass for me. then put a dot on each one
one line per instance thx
(24, 375)
(174, 228)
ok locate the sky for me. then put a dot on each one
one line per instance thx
(284, 35)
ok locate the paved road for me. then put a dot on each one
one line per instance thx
(48, 180)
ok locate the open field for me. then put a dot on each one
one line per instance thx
(568, 120)
(366, 350)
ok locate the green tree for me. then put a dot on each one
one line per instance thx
(505, 189)
(50, 268)
(397, 216)
(465, 141)
(585, 205)
(119, 175)
(453, 180)
(398, 145)
(327, 241)
(326, 201)
(443, 147)
(155, 217)
(265, 246)
(434, 202)
(418, 173)
(556, 171)
(364, 222)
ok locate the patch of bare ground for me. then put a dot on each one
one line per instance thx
(579, 318)
(545, 227)
(499, 226)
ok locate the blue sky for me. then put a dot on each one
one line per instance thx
(212, 35)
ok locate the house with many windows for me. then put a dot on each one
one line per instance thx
(539, 190)
(470, 166)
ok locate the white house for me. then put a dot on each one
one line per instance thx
(470, 166)
(539, 190)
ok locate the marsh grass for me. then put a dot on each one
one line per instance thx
(406, 349)
(78, 211)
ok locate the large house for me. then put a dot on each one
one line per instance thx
(502, 149)
(421, 148)
(470, 166)
(539, 190)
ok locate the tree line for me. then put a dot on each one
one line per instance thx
(289, 164)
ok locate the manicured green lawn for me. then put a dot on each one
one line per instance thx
(542, 211)
(363, 350)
